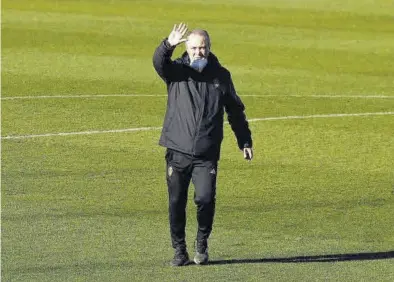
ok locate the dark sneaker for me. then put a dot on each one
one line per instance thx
(201, 256)
(181, 258)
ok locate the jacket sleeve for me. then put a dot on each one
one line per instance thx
(162, 62)
(237, 118)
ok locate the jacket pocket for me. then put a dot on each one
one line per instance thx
(168, 155)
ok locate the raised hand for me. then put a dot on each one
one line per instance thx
(177, 34)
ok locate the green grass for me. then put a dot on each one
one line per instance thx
(94, 207)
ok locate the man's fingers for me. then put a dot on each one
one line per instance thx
(183, 31)
(177, 33)
(182, 28)
(248, 153)
(251, 153)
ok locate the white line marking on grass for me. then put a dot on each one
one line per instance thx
(159, 128)
(80, 133)
(159, 95)
(323, 96)
(321, 116)
(79, 96)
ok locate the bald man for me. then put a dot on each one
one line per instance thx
(199, 91)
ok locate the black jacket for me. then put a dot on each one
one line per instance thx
(196, 101)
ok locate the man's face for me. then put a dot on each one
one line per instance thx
(197, 47)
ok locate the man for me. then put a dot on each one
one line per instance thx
(199, 90)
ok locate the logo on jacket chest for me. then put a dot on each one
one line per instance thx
(218, 87)
(216, 83)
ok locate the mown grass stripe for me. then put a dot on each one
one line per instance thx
(163, 95)
(158, 128)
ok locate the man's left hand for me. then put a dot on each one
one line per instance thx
(248, 154)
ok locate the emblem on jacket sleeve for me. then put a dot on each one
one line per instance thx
(170, 171)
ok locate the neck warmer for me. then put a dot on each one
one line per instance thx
(199, 64)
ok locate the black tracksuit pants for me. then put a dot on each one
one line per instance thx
(181, 168)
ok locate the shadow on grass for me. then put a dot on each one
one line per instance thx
(305, 259)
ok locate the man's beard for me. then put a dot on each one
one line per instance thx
(199, 64)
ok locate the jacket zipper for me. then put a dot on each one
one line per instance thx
(199, 122)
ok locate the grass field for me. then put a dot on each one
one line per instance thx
(83, 187)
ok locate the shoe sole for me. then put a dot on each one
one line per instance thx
(200, 262)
